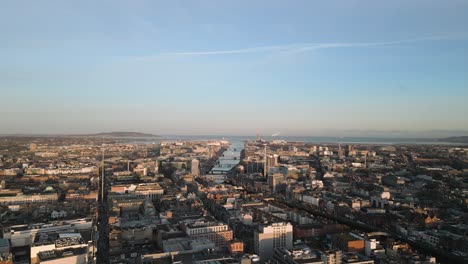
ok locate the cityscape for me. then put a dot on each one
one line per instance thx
(106, 199)
(233, 132)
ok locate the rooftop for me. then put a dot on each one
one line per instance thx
(55, 254)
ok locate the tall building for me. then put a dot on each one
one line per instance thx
(350, 150)
(274, 180)
(273, 160)
(341, 153)
(195, 167)
(271, 236)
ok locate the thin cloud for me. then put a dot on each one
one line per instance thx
(295, 48)
(303, 47)
(234, 51)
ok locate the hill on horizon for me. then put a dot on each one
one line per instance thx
(462, 139)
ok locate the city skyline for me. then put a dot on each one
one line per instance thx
(335, 68)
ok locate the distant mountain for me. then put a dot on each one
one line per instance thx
(463, 139)
(121, 134)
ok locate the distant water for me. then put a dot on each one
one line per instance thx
(349, 140)
(231, 157)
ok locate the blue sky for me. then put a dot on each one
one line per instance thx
(234, 67)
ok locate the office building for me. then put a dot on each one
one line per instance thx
(271, 236)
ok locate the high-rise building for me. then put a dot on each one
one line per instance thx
(341, 153)
(274, 180)
(273, 160)
(195, 167)
(351, 151)
(271, 236)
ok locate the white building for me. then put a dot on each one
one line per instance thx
(24, 235)
(370, 245)
(269, 237)
(153, 191)
(59, 248)
(149, 190)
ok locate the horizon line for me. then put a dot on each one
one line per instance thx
(268, 135)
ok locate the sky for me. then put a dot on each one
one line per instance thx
(308, 68)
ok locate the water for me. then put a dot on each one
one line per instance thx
(238, 140)
(230, 158)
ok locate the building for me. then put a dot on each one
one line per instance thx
(297, 255)
(149, 190)
(59, 248)
(153, 191)
(195, 167)
(187, 245)
(370, 245)
(271, 236)
(4, 245)
(24, 235)
(32, 147)
(217, 232)
(273, 160)
(137, 232)
(348, 242)
(5, 254)
(356, 259)
(236, 247)
(275, 180)
(28, 199)
(332, 257)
